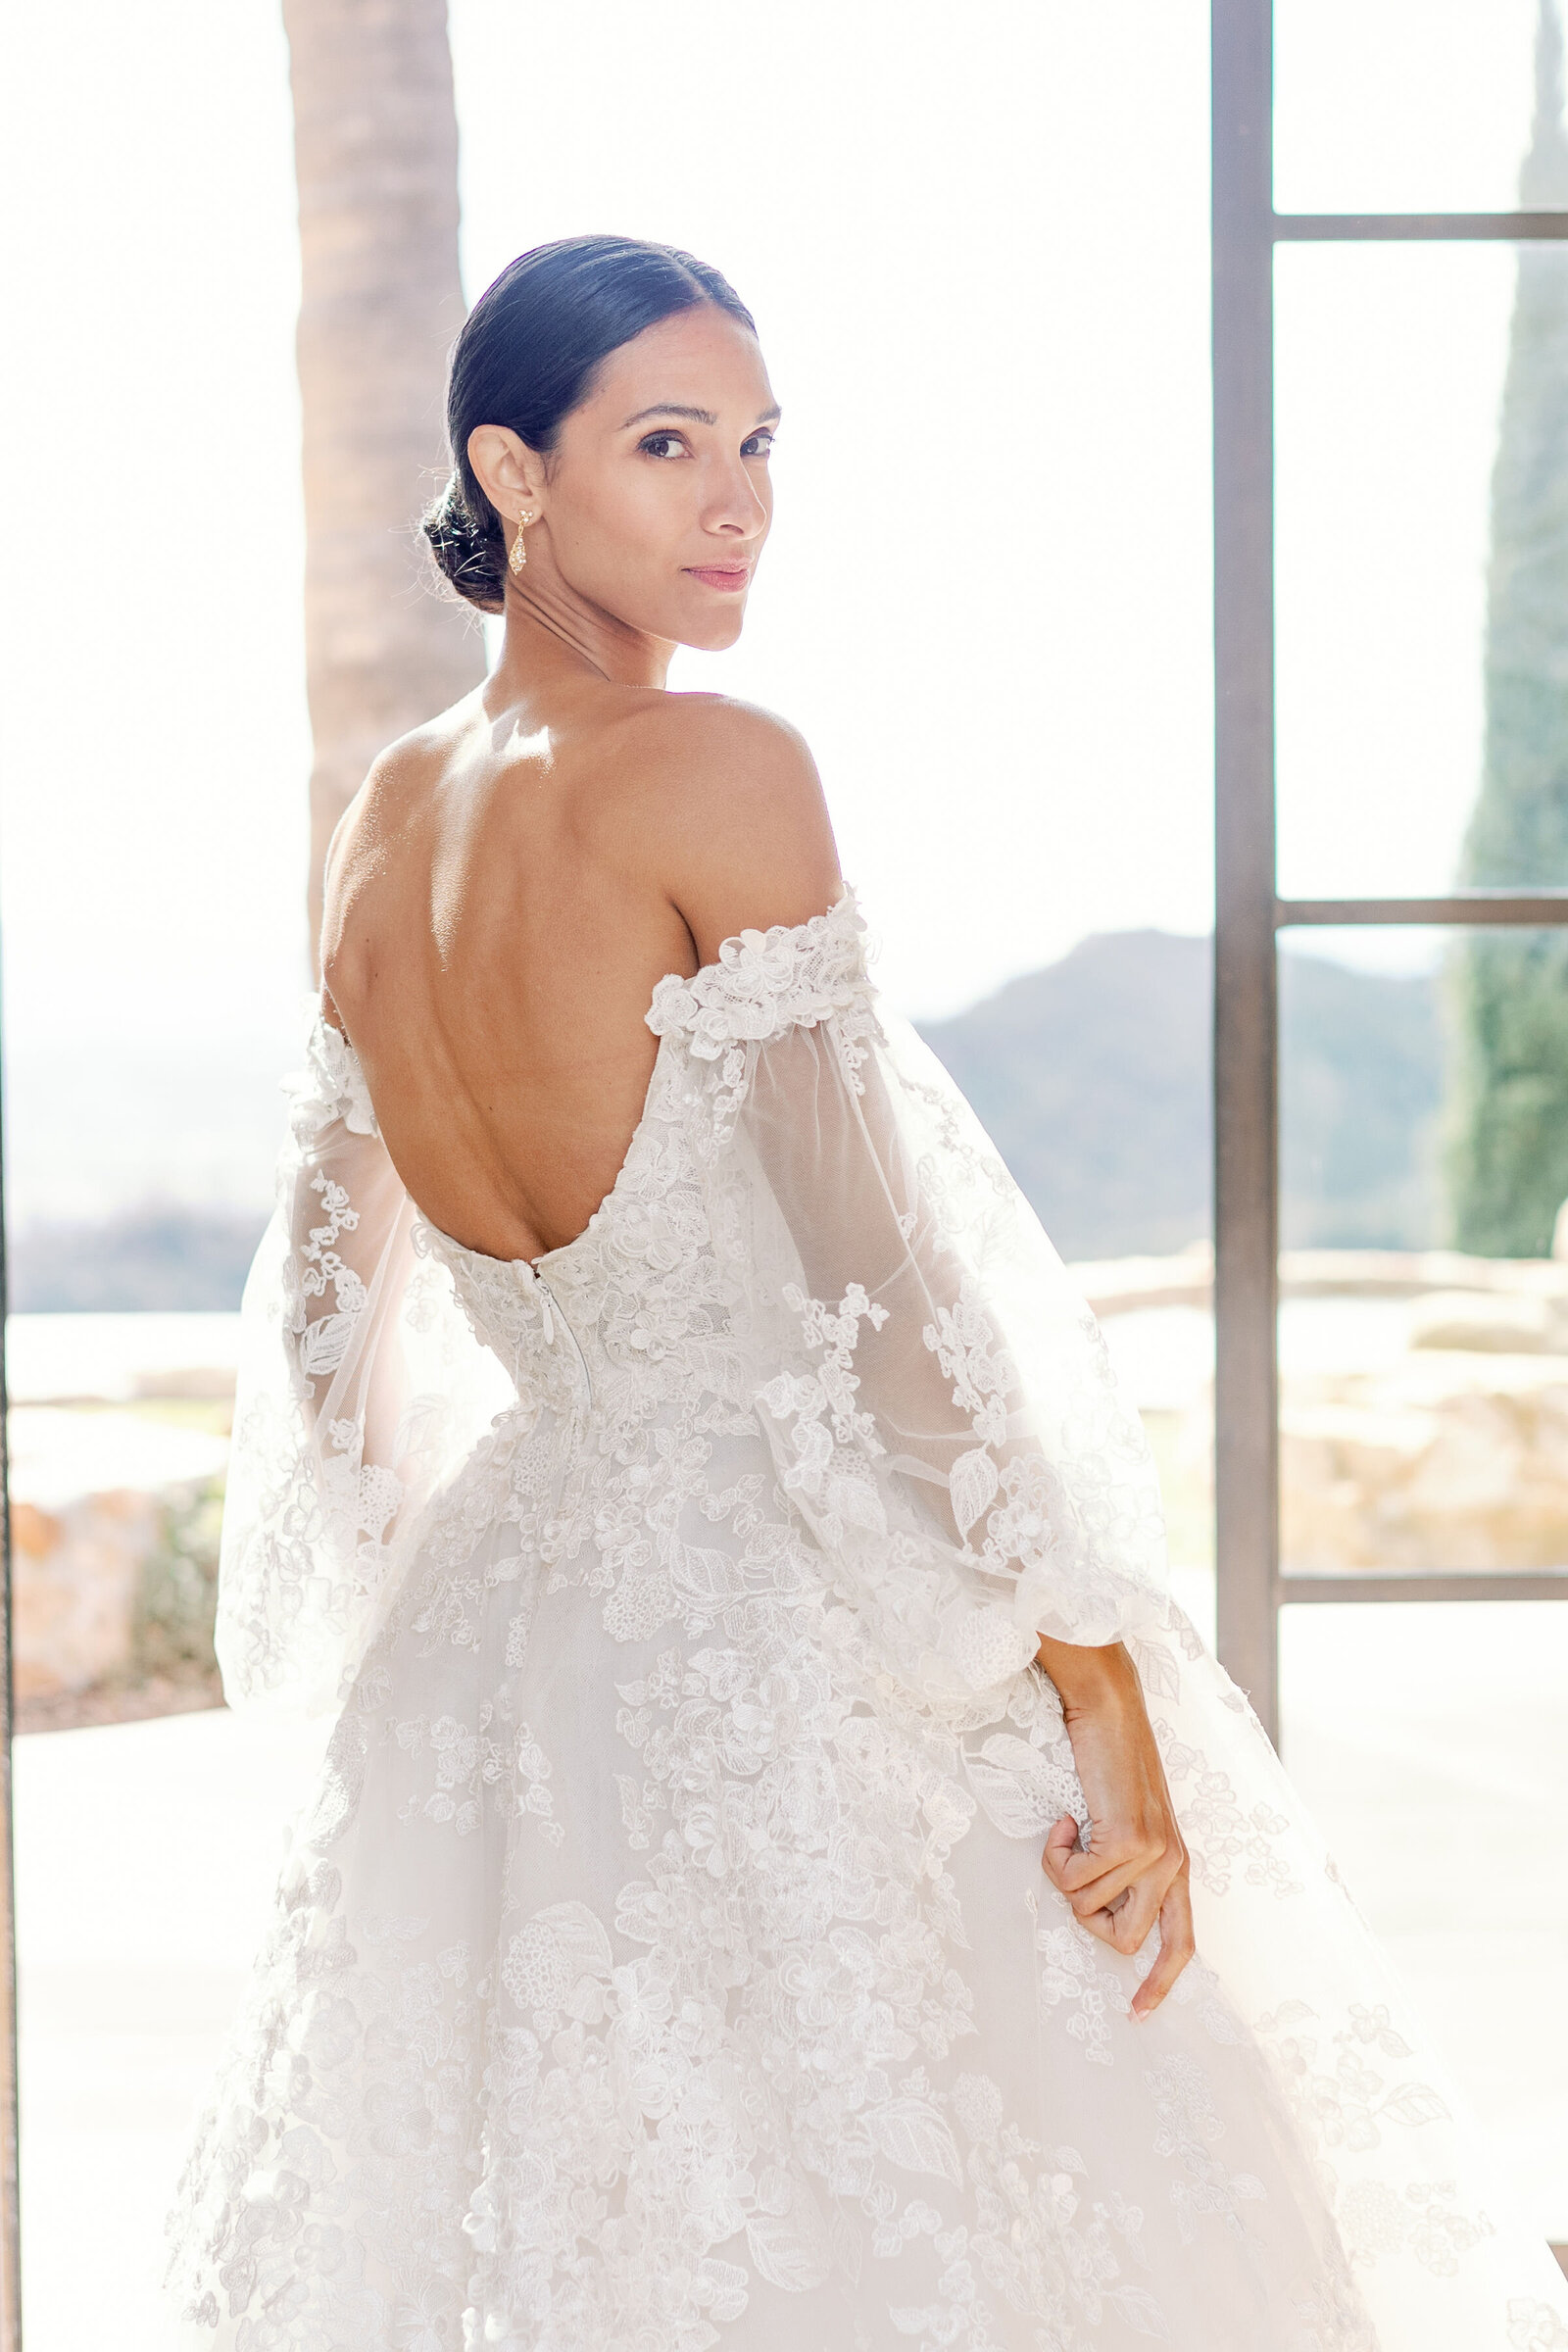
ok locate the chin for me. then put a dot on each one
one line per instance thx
(721, 632)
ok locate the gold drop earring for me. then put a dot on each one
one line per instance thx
(519, 553)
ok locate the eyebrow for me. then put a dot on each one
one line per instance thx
(671, 408)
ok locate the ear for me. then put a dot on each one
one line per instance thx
(511, 474)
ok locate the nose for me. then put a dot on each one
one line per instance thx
(731, 505)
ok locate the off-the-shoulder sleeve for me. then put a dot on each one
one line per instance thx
(353, 1397)
(939, 1401)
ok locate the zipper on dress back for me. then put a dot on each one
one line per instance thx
(550, 1313)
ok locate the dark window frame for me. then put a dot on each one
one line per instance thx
(1249, 912)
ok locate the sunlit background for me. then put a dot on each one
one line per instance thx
(976, 243)
(979, 261)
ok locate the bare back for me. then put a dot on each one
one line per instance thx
(499, 908)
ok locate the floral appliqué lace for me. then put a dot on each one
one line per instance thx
(663, 1962)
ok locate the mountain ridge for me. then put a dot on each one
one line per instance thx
(1093, 1076)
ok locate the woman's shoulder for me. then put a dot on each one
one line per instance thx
(739, 829)
(403, 774)
(720, 743)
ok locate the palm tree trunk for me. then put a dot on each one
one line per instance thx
(376, 150)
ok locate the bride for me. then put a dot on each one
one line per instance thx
(749, 1900)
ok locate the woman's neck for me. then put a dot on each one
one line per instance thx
(553, 636)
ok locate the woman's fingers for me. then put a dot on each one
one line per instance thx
(1087, 1862)
(1176, 1947)
(1132, 1920)
(1088, 1870)
(1125, 1927)
(1082, 1872)
(1106, 1894)
(1121, 1902)
(1060, 1845)
(1097, 1879)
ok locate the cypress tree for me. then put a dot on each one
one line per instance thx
(1507, 1162)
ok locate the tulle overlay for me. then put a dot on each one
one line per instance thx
(664, 1960)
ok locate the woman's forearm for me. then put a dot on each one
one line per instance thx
(1086, 1678)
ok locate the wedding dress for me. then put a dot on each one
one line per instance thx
(664, 1959)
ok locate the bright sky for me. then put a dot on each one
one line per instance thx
(977, 249)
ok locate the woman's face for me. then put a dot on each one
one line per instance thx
(654, 503)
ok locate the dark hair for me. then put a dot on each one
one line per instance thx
(527, 358)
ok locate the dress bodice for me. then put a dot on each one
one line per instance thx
(638, 1290)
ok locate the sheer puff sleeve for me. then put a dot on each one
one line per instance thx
(937, 1399)
(359, 1388)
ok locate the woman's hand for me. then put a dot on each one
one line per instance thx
(1134, 1870)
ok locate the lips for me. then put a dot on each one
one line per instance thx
(729, 577)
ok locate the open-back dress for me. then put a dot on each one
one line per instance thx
(663, 1961)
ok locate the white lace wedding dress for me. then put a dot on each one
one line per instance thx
(665, 1961)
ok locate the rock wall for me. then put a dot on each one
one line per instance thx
(1453, 1460)
(114, 1589)
(115, 1522)
(75, 1577)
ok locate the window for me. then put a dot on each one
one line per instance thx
(1373, 294)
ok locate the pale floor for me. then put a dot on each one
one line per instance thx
(1432, 1742)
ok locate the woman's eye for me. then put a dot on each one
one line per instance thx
(673, 445)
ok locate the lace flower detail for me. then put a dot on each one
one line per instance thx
(332, 1085)
(768, 981)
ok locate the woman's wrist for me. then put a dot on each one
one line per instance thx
(1088, 1678)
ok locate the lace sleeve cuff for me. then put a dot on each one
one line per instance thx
(764, 982)
(332, 1084)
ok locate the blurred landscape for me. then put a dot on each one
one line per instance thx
(148, 1261)
(139, 1171)
(1093, 1076)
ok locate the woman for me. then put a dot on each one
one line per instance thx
(712, 1926)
